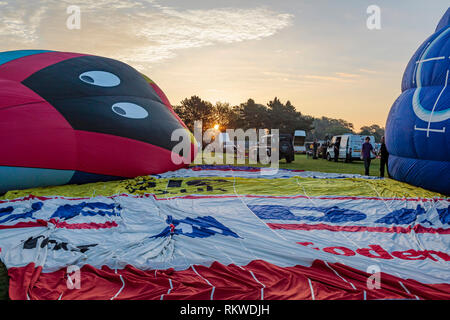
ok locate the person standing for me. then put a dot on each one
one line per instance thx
(324, 148)
(384, 156)
(336, 151)
(366, 149)
(315, 147)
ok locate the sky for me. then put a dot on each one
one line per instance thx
(319, 54)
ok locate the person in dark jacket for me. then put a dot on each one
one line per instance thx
(336, 151)
(323, 149)
(366, 149)
(384, 156)
(315, 147)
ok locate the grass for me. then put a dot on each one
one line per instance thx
(309, 164)
(301, 162)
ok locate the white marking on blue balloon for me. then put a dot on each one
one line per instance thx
(430, 59)
(415, 67)
(422, 113)
(428, 129)
(100, 78)
(129, 110)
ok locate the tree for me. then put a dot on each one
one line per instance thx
(196, 109)
(373, 130)
(286, 118)
(224, 115)
(325, 126)
(275, 115)
(250, 115)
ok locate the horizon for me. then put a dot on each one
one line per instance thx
(319, 55)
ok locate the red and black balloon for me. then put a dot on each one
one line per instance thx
(76, 118)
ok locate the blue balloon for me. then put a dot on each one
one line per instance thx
(418, 125)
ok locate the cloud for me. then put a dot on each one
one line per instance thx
(347, 75)
(329, 78)
(310, 80)
(12, 21)
(368, 71)
(138, 32)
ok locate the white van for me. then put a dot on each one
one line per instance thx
(299, 141)
(349, 147)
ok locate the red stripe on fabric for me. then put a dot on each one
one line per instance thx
(321, 226)
(29, 224)
(21, 280)
(230, 282)
(90, 225)
(304, 197)
(235, 169)
(224, 169)
(20, 69)
(147, 195)
(59, 224)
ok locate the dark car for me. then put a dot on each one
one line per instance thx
(286, 147)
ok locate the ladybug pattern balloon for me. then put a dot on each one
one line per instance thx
(418, 125)
(76, 118)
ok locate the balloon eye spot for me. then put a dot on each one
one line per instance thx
(87, 79)
(129, 110)
(100, 78)
(119, 110)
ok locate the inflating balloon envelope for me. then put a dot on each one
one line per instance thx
(418, 125)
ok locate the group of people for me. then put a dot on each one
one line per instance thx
(366, 150)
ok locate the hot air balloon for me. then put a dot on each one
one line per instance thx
(418, 125)
(76, 118)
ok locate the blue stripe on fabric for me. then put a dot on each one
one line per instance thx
(13, 55)
(330, 214)
(29, 214)
(69, 211)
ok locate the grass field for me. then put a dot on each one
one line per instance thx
(309, 164)
(301, 162)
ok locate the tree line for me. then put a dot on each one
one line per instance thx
(275, 114)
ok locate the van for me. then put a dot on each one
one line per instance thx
(349, 147)
(299, 141)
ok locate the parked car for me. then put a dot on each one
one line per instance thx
(286, 146)
(349, 147)
(266, 146)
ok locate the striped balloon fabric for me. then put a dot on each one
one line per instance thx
(218, 232)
